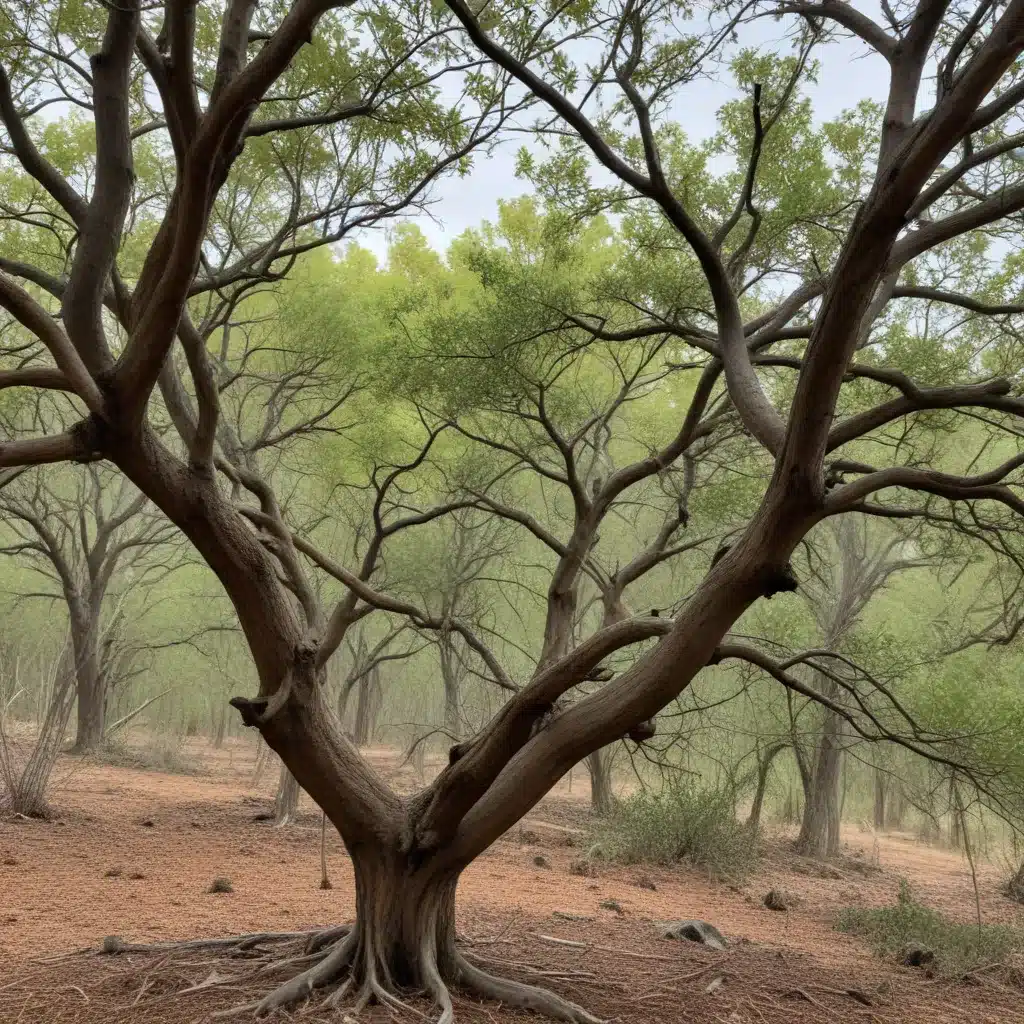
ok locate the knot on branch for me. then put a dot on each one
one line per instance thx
(643, 731)
(252, 711)
(599, 674)
(779, 580)
(88, 434)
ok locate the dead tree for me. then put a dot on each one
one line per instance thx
(408, 855)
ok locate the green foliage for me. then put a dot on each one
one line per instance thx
(958, 948)
(683, 823)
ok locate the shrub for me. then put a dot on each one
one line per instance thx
(162, 753)
(682, 823)
(958, 948)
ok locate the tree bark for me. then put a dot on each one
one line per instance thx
(819, 830)
(286, 803)
(365, 723)
(599, 764)
(764, 769)
(92, 700)
(881, 793)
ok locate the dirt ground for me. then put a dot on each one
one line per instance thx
(133, 852)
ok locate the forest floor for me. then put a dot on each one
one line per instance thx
(133, 852)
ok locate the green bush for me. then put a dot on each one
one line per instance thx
(682, 823)
(958, 948)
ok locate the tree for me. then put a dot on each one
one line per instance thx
(121, 319)
(90, 537)
(862, 566)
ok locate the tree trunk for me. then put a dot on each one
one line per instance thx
(452, 718)
(599, 764)
(819, 830)
(366, 709)
(405, 915)
(764, 770)
(287, 801)
(92, 700)
(880, 820)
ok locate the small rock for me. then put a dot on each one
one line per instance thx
(10, 862)
(643, 882)
(583, 868)
(540, 861)
(137, 876)
(194, 824)
(695, 931)
(779, 899)
(611, 905)
(916, 955)
(566, 915)
(147, 823)
(113, 873)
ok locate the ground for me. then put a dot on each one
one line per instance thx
(133, 853)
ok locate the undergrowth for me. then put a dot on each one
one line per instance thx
(959, 949)
(164, 755)
(682, 823)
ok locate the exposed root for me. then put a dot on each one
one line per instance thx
(327, 937)
(320, 974)
(341, 958)
(529, 997)
(435, 983)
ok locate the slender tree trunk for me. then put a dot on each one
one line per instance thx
(880, 819)
(450, 680)
(599, 764)
(92, 700)
(287, 802)
(364, 711)
(819, 830)
(764, 770)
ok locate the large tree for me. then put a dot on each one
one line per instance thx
(321, 136)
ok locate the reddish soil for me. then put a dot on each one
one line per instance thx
(132, 853)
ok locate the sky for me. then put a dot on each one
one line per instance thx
(849, 72)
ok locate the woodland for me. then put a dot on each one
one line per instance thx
(694, 466)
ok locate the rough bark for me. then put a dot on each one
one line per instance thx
(819, 830)
(599, 764)
(90, 688)
(881, 792)
(286, 803)
(764, 769)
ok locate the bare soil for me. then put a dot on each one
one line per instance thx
(133, 853)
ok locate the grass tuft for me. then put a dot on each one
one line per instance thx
(959, 948)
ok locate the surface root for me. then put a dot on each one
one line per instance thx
(515, 993)
(340, 957)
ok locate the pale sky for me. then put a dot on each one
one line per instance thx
(849, 72)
